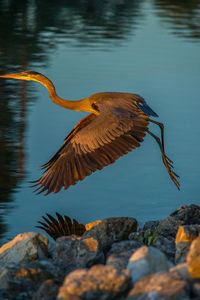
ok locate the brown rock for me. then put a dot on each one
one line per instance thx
(159, 286)
(187, 233)
(99, 282)
(182, 270)
(112, 230)
(193, 258)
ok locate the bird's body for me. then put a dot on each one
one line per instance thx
(117, 124)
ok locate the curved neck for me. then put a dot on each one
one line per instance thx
(79, 105)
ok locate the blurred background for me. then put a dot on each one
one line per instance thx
(151, 48)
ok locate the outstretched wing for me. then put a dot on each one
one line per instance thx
(94, 143)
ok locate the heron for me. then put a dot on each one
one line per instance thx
(117, 124)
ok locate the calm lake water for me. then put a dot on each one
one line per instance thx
(151, 48)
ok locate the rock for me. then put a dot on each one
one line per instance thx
(159, 286)
(47, 291)
(72, 252)
(120, 253)
(151, 225)
(182, 270)
(112, 230)
(187, 214)
(146, 261)
(193, 258)
(4, 279)
(169, 226)
(165, 245)
(196, 290)
(23, 248)
(100, 282)
(187, 233)
(182, 249)
(26, 278)
(138, 236)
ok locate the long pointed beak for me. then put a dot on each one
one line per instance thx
(14, 76)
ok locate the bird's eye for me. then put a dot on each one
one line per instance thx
(95, 107)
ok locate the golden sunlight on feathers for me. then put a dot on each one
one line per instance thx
(117, 124)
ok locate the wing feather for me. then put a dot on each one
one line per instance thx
(94, 143)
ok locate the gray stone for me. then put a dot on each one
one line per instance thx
(112, 230)
(193, 258)
(159, 286)
(182, 249)
(166, 245)
(196, 290)
(74, 252)
(187, 214)
(146, 261)
(26, 278)
(47, 291)
(151, 225)
(169, 226)
(120, 253)
(99, 282)
(23, 248)
(137, 236)
(4, 279)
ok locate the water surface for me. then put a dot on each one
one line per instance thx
(147, 47)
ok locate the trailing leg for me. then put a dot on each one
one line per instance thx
(167, 162)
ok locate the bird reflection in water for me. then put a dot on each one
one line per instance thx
(117, 124)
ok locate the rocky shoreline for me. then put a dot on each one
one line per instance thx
(113, 259)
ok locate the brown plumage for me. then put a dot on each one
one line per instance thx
(116, 125)
(63, 226)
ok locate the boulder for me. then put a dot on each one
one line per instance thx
(185, 235)
(185, 215)
(165, 245)
(99, 282)
(4, 279)
(23, 248)
(47, 291)
(196, 290)
(160, 286)
(112, 230)
(72, 252)
(24, 279)
(120, 253)
(138, 236)
(182, 270)
(151, 226)
(146, 261)
(193, 258)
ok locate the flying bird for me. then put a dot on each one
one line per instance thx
(117, 124)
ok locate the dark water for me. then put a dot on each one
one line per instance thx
(147, 47)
